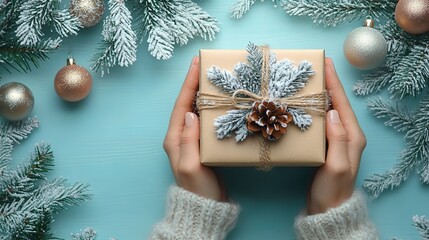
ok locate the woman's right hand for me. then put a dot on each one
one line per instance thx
(334, 182)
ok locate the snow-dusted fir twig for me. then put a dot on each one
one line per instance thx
(327, 13)
(28, 201)
(13, 55)
(20, 58)
(284, 81)
(35, 14)
(406, 71)
(87, 234)
(170, 22)
(241, 7)
(422, 225)
(162, 23)
(119, 46)
(415, 157)
(331, 13)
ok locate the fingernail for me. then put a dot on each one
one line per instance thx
(334, 118)
(189, 119)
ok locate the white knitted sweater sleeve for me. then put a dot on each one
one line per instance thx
(192, 217)
(349, 221)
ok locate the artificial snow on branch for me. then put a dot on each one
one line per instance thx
(34, 14)
(164, 23)
(28, 201)
(415, 156)
(119, 46)
(422, 225)
(407, 65)
(22, 26)
(331, 13)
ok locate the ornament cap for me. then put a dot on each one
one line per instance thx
(368, 23)
(70, 61)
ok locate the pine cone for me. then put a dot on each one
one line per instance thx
(269, 118)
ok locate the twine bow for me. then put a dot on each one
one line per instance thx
(244, 99)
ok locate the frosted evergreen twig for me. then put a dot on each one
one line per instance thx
(34, 14)
(331, 13)
(28, 200)
(415, 157)
(284, 80)
(241, 7)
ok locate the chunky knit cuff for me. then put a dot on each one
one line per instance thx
(193, 217)
(349, 221)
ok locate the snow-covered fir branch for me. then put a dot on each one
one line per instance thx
(22, 58)
(331, 13)
(241, 7)
(34, 14)
(86, 234)
(285, 80)
(415, 156)
(28, 201)
(119, 46)
(422, 225)
(406, 71)
(170, 22)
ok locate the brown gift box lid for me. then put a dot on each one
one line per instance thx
(295, 148)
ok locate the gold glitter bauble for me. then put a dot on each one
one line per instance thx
(73, 82)
(89, 12)
(413, 16)
(365, 47)
(16, 101)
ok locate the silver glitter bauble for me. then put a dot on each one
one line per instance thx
(89, 12)
(73, 82)
(365, 47)
(16, 101)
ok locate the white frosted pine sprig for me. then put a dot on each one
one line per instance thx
(241, 7)
(331, 13)
(28, 201)
(285, 80)
(161, 23)
(415, 156)
(406, 71)
(87, 234)
(119, 46)
(35, 14)
(422, 225)
(170, 22)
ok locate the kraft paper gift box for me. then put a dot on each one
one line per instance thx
(295, 148)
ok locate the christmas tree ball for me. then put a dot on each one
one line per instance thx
(89, 12)
(413, 16)
(73, 82)
(16, 101)
(365, 47)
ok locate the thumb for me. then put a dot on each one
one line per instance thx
(189, 141)
(337, 157)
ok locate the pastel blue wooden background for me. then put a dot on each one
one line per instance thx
(113, 139)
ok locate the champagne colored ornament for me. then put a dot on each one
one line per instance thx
(73, 82)
(413, 16)
(365, 47)
(89, 12)
(16, 101)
